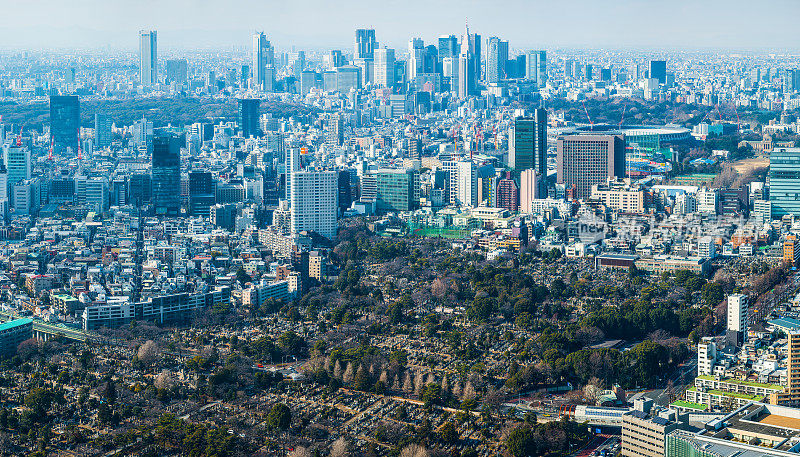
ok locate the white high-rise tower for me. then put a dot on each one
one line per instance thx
(148, 57)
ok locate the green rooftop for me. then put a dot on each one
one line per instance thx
(14, 323)
(689, 404)
(742, 383)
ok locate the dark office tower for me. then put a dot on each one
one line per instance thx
(365, 44)
(527, 147)
(65, 122)
(431, 58)
(658, 70)
(587, 72)
(334, 130)
(201, 193)
(508, 193)
(448, 47)
(62, 190)
(166, 175)
(248, 116)
(413, 148)
(177, 71)
(102, 130)
(148, 57)
(521, 65)
(140, 189)
(605, 74)
(244, 76)
(345, 190)
(299, 63)
(496, 59)
(586, 160)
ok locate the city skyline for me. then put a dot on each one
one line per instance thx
(95, 24)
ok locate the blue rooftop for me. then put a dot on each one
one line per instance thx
(15, 323)
(785, 322)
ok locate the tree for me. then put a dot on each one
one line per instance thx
(104, 413)
(713, 293)
(292, 343)
(148, 352)
(39, 401)
(279, 417)
(432, 394)
(520, 442)
(448, 433)
(414, 450)
(340, 448)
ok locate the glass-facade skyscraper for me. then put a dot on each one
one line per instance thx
(148, 57)
(365, 44)
(65, 122)
(263, 66)
(784, 182)
(527, 149)
(248, 116)
(166, 175)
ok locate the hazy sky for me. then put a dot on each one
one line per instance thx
(734, 24)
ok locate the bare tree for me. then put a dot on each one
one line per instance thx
(414, 450)
(300, 451)
(164, 380)
(340, 448)
(347, 377)
(148, 352)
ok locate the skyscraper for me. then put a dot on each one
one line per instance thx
(263, 65)
(737, 318)
(166, 175)
(416, 57)
(384, 67)
(784, 182)
(299, 63)
(65, 122)
(148, 57)
(448, 47)
(586, 160)
(177, 71)
(532, 66)
(248, 116)
(507, 193)
(345, 190)
(469, 64)
(292, 163)
(314, 202)
(334, 130)
(528, 189)
(18, 165)
(396, 190)
(466, 186)
(541, 68)
(201, 193)
(365, 44)
(496, 59)
(527, 147)
(658, 70)
(102, 130)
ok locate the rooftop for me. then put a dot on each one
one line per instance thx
(15, 323)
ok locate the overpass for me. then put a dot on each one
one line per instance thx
(44, 331)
